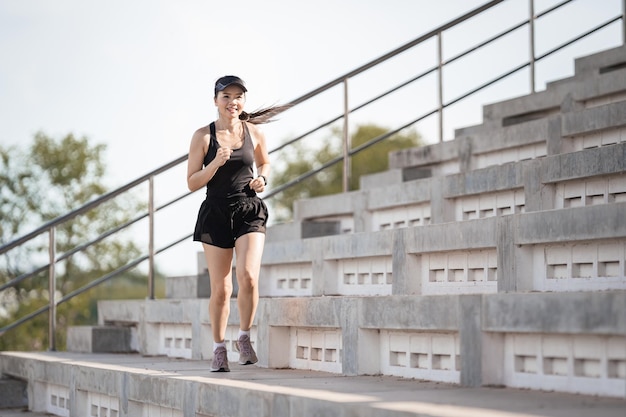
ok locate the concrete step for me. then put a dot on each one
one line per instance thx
(530, 185)
(111, 339)
(481, 339)
(133, 385)
(21, 412)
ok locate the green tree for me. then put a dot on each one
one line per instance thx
(300, 159)
(51, 179)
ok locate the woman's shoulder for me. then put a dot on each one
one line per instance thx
(203, 133)
(252, 127)
(256, 134)
(255, 130)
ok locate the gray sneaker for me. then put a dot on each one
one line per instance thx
(220, 360)
(247, 355)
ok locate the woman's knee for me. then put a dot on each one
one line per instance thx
(246, 279)
(221, 294)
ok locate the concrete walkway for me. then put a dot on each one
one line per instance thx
(357, 395)
(21, 413)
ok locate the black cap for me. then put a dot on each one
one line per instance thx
(227, 80)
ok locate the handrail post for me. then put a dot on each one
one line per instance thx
(346, 140)
(52, 285)
(531, 42)
(151, 237)
(623, 22)
(440, 82)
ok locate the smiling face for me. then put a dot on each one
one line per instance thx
(230, 101)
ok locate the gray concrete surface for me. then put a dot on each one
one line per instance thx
(298, 392)
(20, 412)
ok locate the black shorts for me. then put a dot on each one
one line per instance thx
(221, 221)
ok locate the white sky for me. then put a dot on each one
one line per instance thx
(138, 75)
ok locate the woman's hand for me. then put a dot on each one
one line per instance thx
(222, 155)
(258, 184)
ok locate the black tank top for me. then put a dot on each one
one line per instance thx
(232, 179)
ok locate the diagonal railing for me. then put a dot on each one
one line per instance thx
(348, 151)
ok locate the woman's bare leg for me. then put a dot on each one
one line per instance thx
(249, 249)
(219, 262)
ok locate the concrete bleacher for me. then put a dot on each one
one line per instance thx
(494, 259)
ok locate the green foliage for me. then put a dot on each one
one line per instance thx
(49, 180)
(299, 160)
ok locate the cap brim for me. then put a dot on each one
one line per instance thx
(222, 87)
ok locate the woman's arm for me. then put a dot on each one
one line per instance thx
(197, 176)
(261, 158)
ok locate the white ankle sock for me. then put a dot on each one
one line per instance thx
(218, 344)
(243, 333)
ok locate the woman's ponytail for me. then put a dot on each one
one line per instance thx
(261, 116)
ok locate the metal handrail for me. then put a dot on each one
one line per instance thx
(90, 205)
(51, 226)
